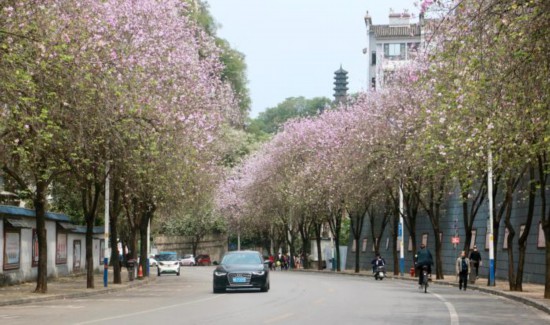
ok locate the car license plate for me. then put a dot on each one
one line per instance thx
(239, 280)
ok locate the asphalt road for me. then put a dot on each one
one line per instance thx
(294, 298)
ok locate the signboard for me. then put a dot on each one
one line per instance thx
(61, 248)
(455, 240)
(12, 250)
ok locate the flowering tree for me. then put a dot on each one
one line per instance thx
(86, 82)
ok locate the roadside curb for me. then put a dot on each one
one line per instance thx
(526, 301)
(87, 293)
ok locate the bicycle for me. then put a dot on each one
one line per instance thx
(425, 278)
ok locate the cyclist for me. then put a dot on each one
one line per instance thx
(423, 258)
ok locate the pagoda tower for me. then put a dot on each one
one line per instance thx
(340, 85)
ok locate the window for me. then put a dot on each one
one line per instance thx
(412, 49)
(353, 248)
(541, 240)
(505, 241)
(394, 51)
(425, 239)
(373, 58)
(410, 244)
(364, 247)
(373, 83)
(473, 241)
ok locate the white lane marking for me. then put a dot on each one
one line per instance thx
(149, 310)
(279, 318)
(450, 307)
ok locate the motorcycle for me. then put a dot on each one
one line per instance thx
(380, 273)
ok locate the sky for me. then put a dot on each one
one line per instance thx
(293, 47)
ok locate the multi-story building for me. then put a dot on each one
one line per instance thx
(391, 46)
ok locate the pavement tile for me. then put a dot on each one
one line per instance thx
(66, 287)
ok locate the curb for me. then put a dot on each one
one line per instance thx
(91, 292)
(525, 301)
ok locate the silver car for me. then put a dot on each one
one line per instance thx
(187, 260)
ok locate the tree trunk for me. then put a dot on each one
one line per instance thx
(522, 242)
(40, 210)
(113, 220)
(317, 228)
(143, 247)
(335, 223)
(89, 253)
(543, 173)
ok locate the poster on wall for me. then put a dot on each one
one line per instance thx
(101, 251)
(35, 255)
(77, 255)
(61, 248)
(12, 250)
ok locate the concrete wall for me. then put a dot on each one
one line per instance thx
(452, 222)
(27, 272)
(213, 245)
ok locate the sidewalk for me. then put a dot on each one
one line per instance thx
(532, 294)
(67, 287)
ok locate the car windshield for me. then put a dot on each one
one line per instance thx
(187, 256)
(167, 257)
(243, 258)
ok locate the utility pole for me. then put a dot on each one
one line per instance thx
(106, 250)
(400, 234)
(490, 221)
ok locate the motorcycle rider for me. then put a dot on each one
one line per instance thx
(423, 258)
(377, 261)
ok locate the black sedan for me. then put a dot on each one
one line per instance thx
(241, 270)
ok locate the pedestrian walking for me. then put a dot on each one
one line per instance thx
(475, 258)
(462, 270)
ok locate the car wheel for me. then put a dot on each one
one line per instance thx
(216, 290)
(265, 288)
(178, 274)
(158, 273)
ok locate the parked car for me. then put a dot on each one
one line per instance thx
(153, 261)
(187, 260)
(241, 270)
(168, 262)
(203, 260)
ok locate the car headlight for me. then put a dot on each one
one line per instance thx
(259, 273)
(220, 273)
